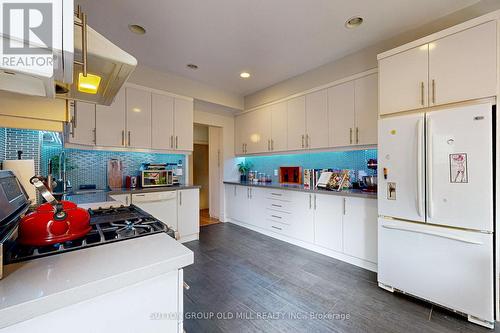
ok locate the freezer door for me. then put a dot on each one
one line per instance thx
(401, 167)
(460, 167)
(451, 267)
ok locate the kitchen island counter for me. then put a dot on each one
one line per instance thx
(33, 288)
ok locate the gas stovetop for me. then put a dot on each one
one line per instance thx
(108, 225)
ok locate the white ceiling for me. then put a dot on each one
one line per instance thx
(272, 39)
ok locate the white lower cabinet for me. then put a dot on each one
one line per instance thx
(330, 223)
(188, 214)
(328, 215)
(360, 228)
(124, 199)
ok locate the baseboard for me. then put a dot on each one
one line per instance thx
(189, 238)
(312, 247)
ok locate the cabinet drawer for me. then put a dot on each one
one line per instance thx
(278, 227)
(279, 195)
(280, 205)
(277, 216)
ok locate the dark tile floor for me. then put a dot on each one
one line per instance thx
(243, 281)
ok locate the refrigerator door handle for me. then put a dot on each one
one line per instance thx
(432, 233)
(420, 138)
(429, 168)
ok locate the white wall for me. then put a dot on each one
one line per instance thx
(364, 59)
(149, 77)
(219, 116)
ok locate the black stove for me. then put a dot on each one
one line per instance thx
(108, 225)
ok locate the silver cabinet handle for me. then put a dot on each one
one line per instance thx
(234, 190)
(307, 141)
(433, 91)
(126, 200)
(303, 140)
(186, 286)
(129, 138)
(123, 137)
(272, 144)
(74, 118)
(243, 148)
(315, 202)
(251, 194)
(276, 216)
(422, 94)
(171, 141)
(268, 145)
(277, 194)
(357, 135)
(344, 207)
(180, 198)
(310, 201)
(95, 135)
(276, 227)
(274, 205)
(350, 136)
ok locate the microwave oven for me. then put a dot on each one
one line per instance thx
(152, 178)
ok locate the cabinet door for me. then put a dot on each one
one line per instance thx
(279, 127)
(183, 124)
(258, 137)
(138, 118)
(162, 122)
(296, 120)
(124, 199)
(110, 122)
(328, 221)
(239, 129)
(366, 109)
(317, 119)
(82, 126)
(241, 204)
(257, 207)
(230, 195)
(341, 114)
(360, 228)
(463, 66)
(188, 212)
(403, 81)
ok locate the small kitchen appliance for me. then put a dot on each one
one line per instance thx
(154, 175)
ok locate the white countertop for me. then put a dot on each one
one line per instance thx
(39, 286)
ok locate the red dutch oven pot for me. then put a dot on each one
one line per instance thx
(53, 222)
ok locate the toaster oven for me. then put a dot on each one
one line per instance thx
(152, 178)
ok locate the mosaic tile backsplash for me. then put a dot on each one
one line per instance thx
(353, 160)
(83, 166)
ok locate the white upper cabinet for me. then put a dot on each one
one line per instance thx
(317, 119)
(296, 123)
(341, 114)
(366, 110)
(403, 81)
(110, 123)
(279, 127)
(183, 124)
(463, 66)
(82, 126)
(458, 67)
(138, 118)
(239, 137)
(162, 121)
(258, 134)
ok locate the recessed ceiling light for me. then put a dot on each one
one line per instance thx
(137, 29)
(353, 22)
(245, 75)
(192, 66)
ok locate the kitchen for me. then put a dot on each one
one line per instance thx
(355, 185)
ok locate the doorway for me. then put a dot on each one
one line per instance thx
(205, 171)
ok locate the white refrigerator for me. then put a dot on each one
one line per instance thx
(436, 208)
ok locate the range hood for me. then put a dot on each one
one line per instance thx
(78, 48)
(105, 60)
